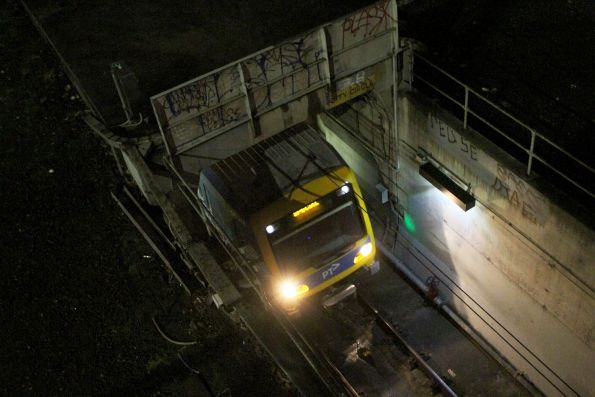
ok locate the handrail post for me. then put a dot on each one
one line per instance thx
(534, 134)
(466, 107)
(412, 68)
(531, 147)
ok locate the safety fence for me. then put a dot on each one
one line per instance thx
(539, 153)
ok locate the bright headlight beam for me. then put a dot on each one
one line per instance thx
(291, 290)
(366, 249)
(288, 289)
(344, 189)
(270, 229)
(363, 252)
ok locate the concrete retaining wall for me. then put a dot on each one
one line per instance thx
(517, 267)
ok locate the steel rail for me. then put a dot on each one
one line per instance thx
(429, 371)
(339, 375)
(315, 357)
(137, 222)
(426, 262)
(67, 69)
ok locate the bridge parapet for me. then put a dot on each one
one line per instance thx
(536, 150)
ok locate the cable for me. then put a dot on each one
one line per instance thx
(200, 375)
(192, 369)
(167, 338)
(488, 314)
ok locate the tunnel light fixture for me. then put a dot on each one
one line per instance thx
(447, 186)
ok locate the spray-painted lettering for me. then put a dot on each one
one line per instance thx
(520, 195)
(452, 137)
(367, 22)
(282, 72)
(200, 102)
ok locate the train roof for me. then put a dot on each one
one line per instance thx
(264, 172)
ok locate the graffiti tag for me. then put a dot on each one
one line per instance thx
(282, 72)
(452, 137)
(521, 196)
(367, 22)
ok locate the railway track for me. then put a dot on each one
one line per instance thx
(349, 349)
(365, 351)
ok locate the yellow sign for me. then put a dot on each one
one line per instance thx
(357, 87)
(305, 209)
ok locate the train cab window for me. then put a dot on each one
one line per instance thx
(335, 226)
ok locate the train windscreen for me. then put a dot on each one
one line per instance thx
(331, 227)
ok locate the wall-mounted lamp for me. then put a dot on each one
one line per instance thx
(446, 185)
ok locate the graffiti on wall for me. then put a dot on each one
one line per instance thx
(504, 183)
(246, 90)
(457, 142)
(520, 195)
(367, 22)
(283, 71)
(218, 100)
(207, 102)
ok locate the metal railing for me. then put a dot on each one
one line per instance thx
(486, 114)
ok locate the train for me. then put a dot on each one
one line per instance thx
(292, 199)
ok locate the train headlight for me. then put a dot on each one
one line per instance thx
(291, 290)
(364, 252)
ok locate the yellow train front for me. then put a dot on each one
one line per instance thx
(319, 238)
(296, 201)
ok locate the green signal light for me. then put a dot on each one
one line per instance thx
(409, 224)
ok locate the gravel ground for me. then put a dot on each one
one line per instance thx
(79, 285)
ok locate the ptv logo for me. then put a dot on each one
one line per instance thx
(330, 271)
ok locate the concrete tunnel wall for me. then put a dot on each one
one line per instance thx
(516, 267)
